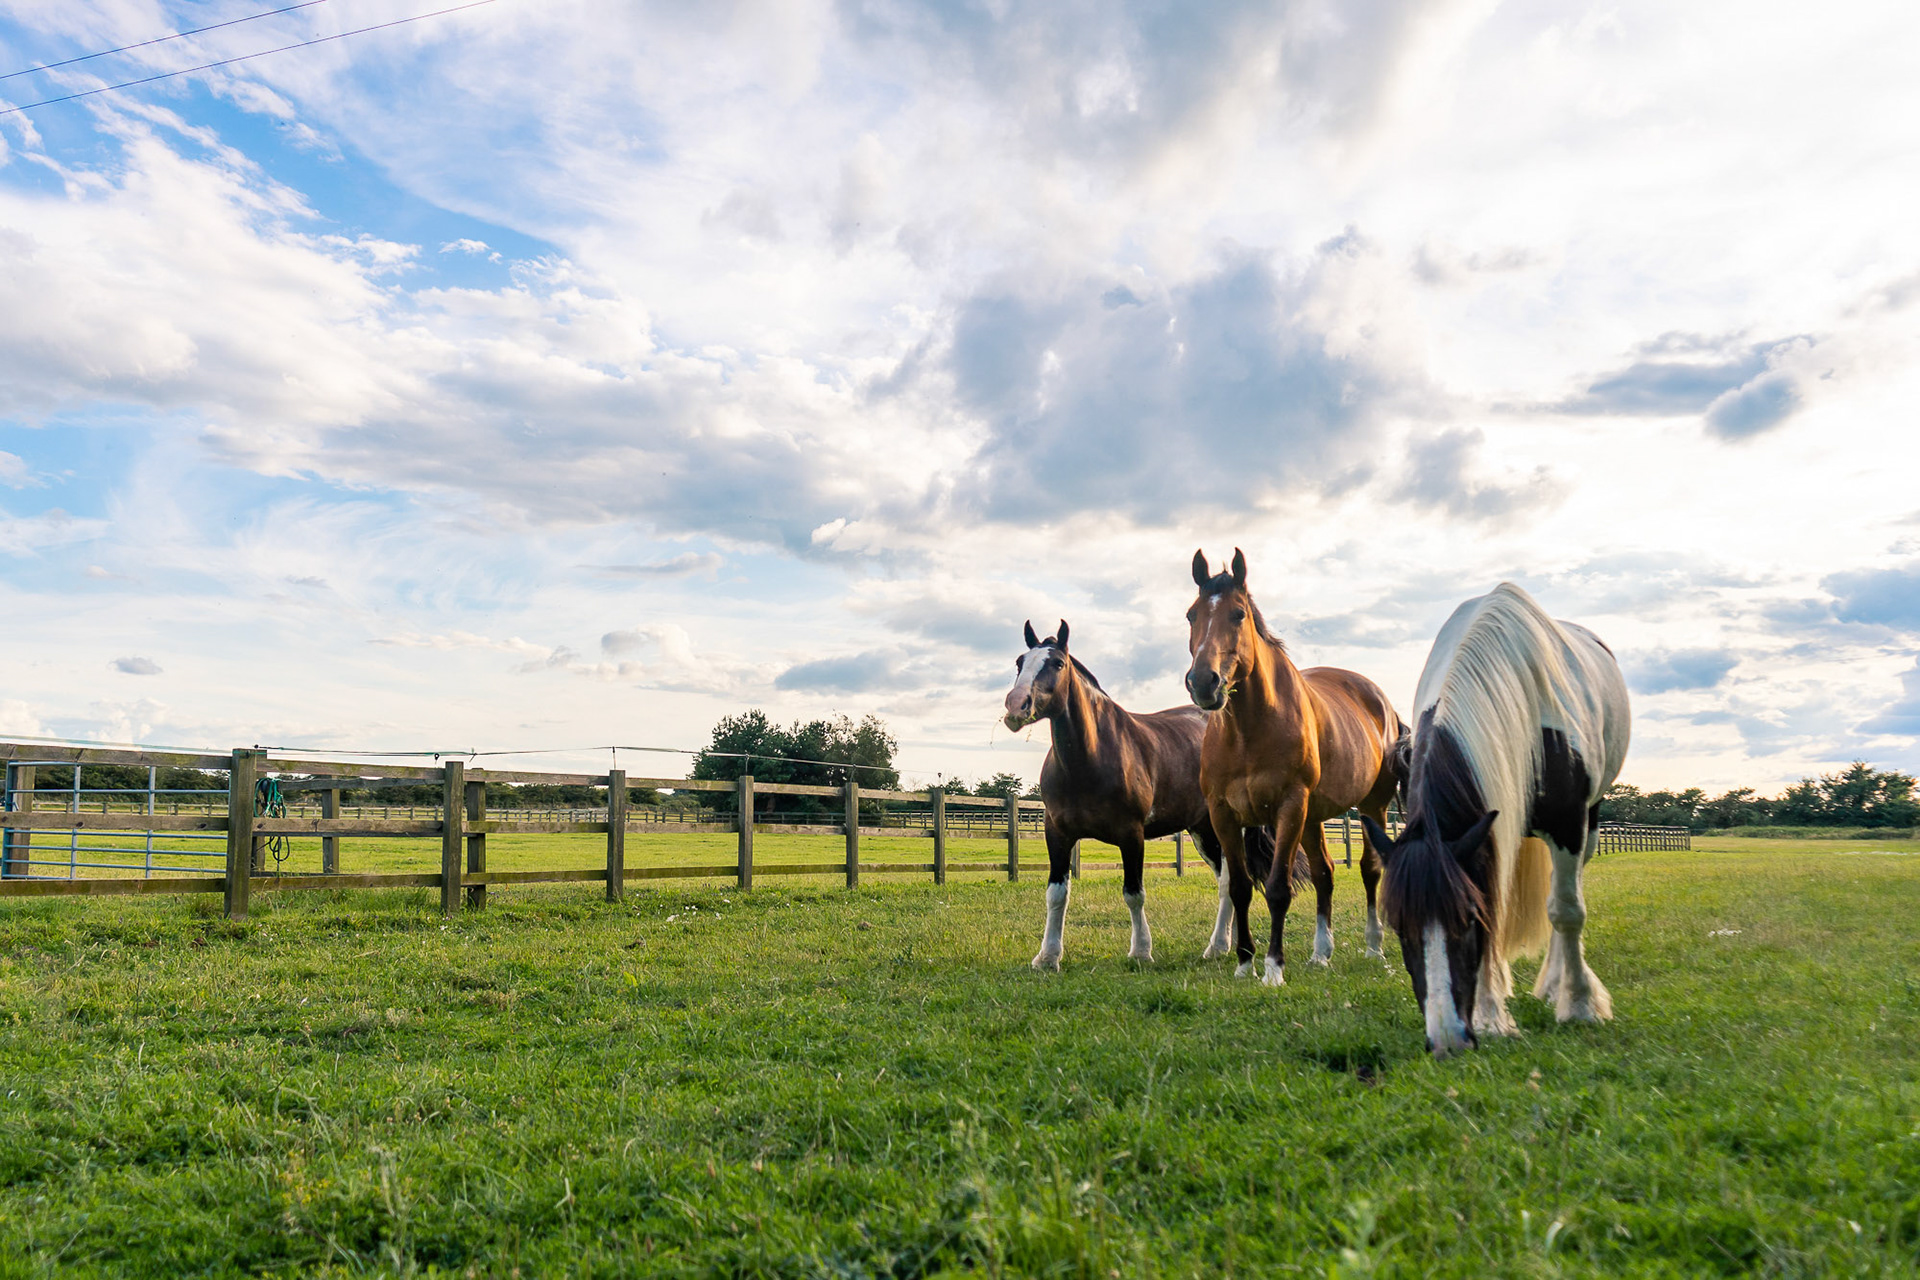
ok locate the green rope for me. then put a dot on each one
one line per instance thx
(269, 803)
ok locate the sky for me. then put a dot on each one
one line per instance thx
(553, 376)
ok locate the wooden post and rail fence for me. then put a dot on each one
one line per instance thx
(462, 824)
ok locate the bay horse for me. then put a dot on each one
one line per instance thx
(1522, 722)
(1115, 776)
(1286, 748)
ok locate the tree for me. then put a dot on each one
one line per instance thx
(1624, 803)
(821, 753)
(1001, 785)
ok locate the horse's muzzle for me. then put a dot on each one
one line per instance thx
(1206, 689)
(1019, 712)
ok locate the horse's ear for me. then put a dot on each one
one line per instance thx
(1239, 569)
(1468, 847)
(1063, 633)
(1376, 836)
(1033, 641)
(1200, 574)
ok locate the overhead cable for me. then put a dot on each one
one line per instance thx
(245, 57)
(176, 35)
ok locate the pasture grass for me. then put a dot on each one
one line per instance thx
(804, 1081)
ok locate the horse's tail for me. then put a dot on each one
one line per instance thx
(1259, 844)
(1300, 874)
(1524, 927)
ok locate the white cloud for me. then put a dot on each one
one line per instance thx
(922, 320)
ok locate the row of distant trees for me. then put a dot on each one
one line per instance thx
(1857, 796)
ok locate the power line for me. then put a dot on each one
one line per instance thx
(245, 57)
(177, 35)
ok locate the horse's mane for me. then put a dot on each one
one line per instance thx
(1053, 642)
(1221, 583)
(1085, 674)
(1501, 671)
(1424, 881)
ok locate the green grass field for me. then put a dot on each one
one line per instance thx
(803, 1081)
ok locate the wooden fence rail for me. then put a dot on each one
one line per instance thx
(462, 823)
(1627, 837)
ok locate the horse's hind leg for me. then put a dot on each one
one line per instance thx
(1133, 859)
(1370, 877)
(1222, 940)
(1059, 888)
(1320, 866)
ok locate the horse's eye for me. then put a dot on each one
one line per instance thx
(1239, 616)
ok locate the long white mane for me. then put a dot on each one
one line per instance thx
(1500, 671)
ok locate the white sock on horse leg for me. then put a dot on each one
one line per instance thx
(1050, 941)
(1141, 946)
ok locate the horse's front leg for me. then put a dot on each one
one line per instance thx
(1565, 979)
(1320, 864)
(1288, 829)
(1133, 860)
(1233, 857)
(1222, 940)
(1059, 887)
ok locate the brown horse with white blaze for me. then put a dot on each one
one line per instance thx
(1286, 748)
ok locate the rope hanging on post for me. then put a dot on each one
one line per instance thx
(269, 803)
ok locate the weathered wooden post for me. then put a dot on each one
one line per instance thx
(853, 830)
(1013, 837)
(476, 843)
(744, 791)
(1179, 853)
(938, 795)
(453, 813)
(18, 857)
(1346, 834)
(1076, 859)
(330, 845)
(242, 771)
(616, 834)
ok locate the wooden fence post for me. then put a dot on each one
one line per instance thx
(745, 793)
(1346, 834)
(476, 843)
(18, 853)
(1076, 859)
(938, 796)
(453, 813)
(1013, 838)
(853, 830)
(330, 845)
(1179, 853)
(616, 834)
(241, 774)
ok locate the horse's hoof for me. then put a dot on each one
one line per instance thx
(1212, 952)
(1375, 953)
(1325, 962)
(1046, 963)
(1275, 974)
(1245, 970)
(1589, 1011)
(1141, 958)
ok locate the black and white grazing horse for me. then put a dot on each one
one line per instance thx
(1118, 777)
(1520, 723)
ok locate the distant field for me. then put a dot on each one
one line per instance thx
(802, 1081)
